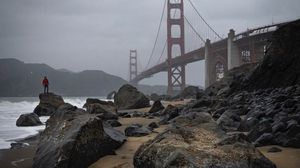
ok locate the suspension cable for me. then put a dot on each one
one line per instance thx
(204, 20)
(161, 55)
(157, 34)
(194, 29)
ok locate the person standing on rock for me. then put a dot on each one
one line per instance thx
(45, 84)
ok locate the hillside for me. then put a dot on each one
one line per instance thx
(20, 79)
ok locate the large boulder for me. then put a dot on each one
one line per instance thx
(30, 119)
(189, 92)
(106, 109)
(229, 121)
(128, 97)
(49, 102)
(198, 144)
(156, 107)
(75, 138)
(137, 130)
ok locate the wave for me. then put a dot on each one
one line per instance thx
(12, 108)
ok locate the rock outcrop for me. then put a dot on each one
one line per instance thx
(106, 109)
(74, 138)
(137, 130)
(30, 119)
(128, 97)
(156, 107)
(280, 67)
(111, 95)
(49, 102)
(198, 142)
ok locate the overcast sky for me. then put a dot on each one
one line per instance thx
(98, 34)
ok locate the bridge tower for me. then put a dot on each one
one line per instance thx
(132, 64)
(176, 74)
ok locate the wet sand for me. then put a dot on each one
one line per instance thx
(124, 155)
(287, 158)
(21, 158)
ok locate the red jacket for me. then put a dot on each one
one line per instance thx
(45, 82)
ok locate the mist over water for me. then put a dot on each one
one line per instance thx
(10, 110)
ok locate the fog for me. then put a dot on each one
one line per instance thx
(92, 34)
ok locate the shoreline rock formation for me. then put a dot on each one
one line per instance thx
(49, 103)
(74, 138)
(128, 97)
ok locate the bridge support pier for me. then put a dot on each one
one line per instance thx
(208, 64)
(233, 55)
(133, 66)
(176, 73)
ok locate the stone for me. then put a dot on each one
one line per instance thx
(293, 130)
(229, 121)
(191, 143)
(248, 123)
(75, 138)
(274, 150)
(189, 92)
(111, 95)
(265, 139)
(136, 130)
(18, 145)
(153, 125)
(114, 123)
(30, 119)
(128, 97)
(106, 110)
(156, 107)
(259, 129)
(49, 102)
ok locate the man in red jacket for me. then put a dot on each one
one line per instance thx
(45, 84)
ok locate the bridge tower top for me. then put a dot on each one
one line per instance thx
(176, 74)
(132, 65)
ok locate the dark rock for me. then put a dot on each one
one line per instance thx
(203, 102)
(293, 130)
(49, 102)
(18, 145)
(279, 67)
(229, 121)
(128, 97)
(265, 139)
(95, 106)
(111, 95)
(278, 127)
(114, 123)
(274, 150)
(169, 109)
(137, 130)
(157, 106)
(30, 119)
(189, 92)
(75, 138)
(106, 110)
(248, 124)
(217, 114)
(153, 125)
(259, 129)
(191, 143)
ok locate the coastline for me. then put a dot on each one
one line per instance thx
(23, 157)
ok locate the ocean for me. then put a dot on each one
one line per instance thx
(10, 110)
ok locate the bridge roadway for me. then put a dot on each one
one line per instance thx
(258, 35)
